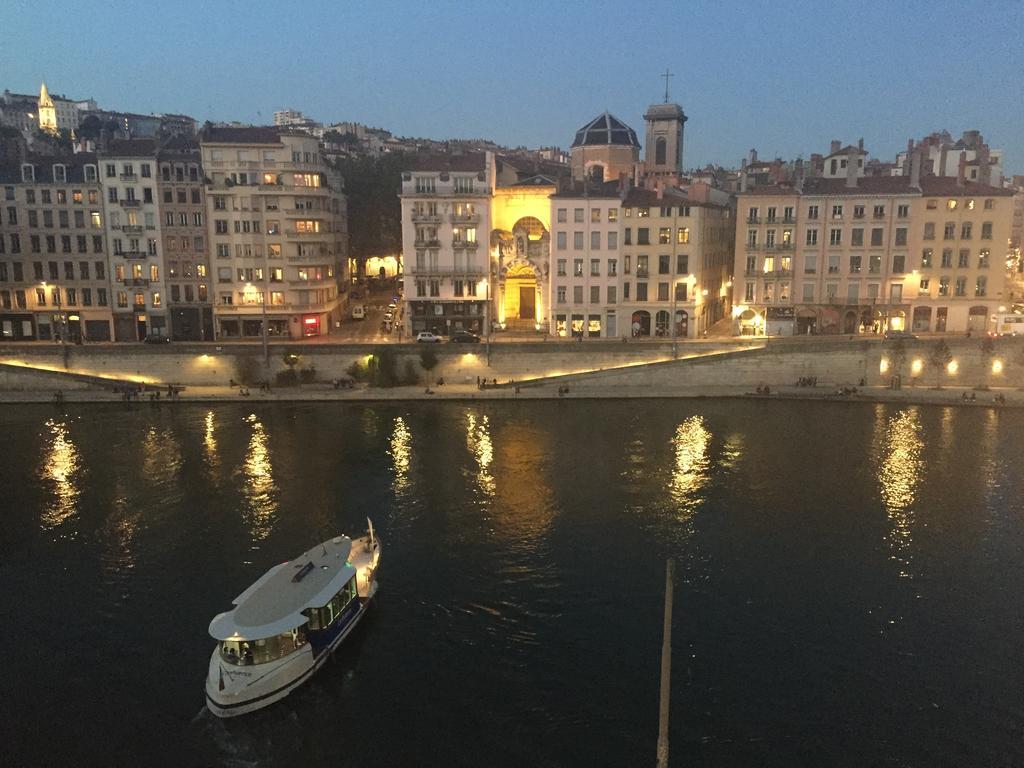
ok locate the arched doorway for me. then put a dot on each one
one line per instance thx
(682, 323)
(661, 320)
(520, 299)
(641, 323)
(596, 173)
(977, 319)
(850, 322)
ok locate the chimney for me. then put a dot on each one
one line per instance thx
(753, 156)
(984, 165)
(851, 167)
(743, 180)
(660, 190)
(942, 162)
(836, 144)
(860, 143)
(916, 158)
(961, 170)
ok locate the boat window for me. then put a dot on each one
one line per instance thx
(321, 618)
(261, 651)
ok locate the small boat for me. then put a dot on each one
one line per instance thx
(285, 625)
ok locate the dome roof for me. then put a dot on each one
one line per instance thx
(604, 130)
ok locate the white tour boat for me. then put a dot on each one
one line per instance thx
(284, 626)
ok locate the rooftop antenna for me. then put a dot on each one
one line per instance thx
(667, 75)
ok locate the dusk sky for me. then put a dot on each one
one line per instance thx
(785, 78)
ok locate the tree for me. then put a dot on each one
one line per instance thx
(940, 357)
(372, 184)
(428, 358)
(897, 356)
(988, 348)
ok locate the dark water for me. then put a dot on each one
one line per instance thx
(849, 582)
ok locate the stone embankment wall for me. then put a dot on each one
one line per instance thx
(599, 365)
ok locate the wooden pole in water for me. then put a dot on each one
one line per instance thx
(666, 665)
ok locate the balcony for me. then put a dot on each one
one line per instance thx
(753, 246)
(426, 218)
(467, 244)
(448, 271)
(130, 203)
(467, 218)
(136, 282)
(641, 272)
(752, 220)
(129, 177)
(296, 233)
(427, 243)
(132, 254)
(131, 229)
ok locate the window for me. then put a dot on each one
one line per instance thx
(810, 264)
(903, 211)
(611, 294)
(858, 212)
(986, 230)
(627, 237)
(929, 230)
(812, 237)
(856, 237)
(577, 267)
(949, 230)
(751, 238)
(560, 294)
(595, 267)
(643, 212)
(951, 205)
(577, 215)
(595, 241)
(664, 235)
(837, 211)
(835, 236)
(662, 291)
(560, 241)
(748, 292)
(613, 214)
(964, 260)
(879, 212)
(901, 236)
(560, 268)
(947, 257)
(643, 236)
(641, 291)
(961, 286)
(923, 285)
(812, 212)
(926, 258)
(931, 205)
(561, 217)
(613, 241)
(943, 286)
(771, 213)
(965, 230)
(682, 263)
(899, 263)
(983, 258)
(876, 237)
(855, 264)
(612, 267)
(752, 215)
(595, 294)
(896, 293)
(577, 241)
(990, 204)
(683, 235)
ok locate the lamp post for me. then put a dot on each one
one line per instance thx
(266, 298)
(675, 343)
(58, 331)
(487, 314)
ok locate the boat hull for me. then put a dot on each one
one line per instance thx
(274, 683)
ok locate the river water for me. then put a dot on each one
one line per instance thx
(848, 592)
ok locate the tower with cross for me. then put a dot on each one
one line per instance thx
(663, 145)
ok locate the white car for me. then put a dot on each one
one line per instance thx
(428, 337)
(392, 307)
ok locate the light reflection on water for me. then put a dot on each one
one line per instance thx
(259, 488)
(690, 474)
(400, 450)
(60, 463)
(210, 444)
(478, 441)
(899, 477)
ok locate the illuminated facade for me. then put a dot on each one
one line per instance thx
(869, 254)
(128, 175)
(278, 234)
(54, 280)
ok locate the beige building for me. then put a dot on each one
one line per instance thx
(54, 281)
(604, 149)
(277, 233)
(869, 254)
(447, 255)
(183, 230)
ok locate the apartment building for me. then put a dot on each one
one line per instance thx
(54, 281)
(677, 261)
(182, 202)
(446, 226)
(869, 254)
(586, 264)
(128, 172)
(277, 232)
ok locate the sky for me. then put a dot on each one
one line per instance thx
(785, 78)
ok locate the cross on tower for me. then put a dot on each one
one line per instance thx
(667, 75)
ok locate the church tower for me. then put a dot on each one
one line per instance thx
(663, 145)
(47, 111)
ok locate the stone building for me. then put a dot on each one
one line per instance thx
(604, 149)
(128, 170)
(277, 233)
(182, 199)
(54, 281)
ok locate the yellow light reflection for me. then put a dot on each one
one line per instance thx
(690, 444)
(210, 441)
(401, 454)
(60, 463)
(916, 367)
(259, 489)
(953, 367)
(478, 440)
(883, 366)
(899, 477)
(997, 366)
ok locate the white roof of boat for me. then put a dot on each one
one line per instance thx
(274, 603)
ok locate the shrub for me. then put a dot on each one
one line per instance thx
(428, 358)
(287, 378)
(247, 369)
(307, 375)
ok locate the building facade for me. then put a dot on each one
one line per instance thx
(128, 174)
(446, 221)
(277, 232)
(183, 224)
(54, 281)
(869, 254)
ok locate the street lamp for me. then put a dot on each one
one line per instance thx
(59, 327)
(487, 314)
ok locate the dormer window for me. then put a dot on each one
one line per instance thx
(90, 173)
(60, 172)
(28, 172)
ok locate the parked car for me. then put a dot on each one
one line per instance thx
(358, 312)
(899, 335)
(427, 337)
(154, 338)
(464, 337)
(392, 307)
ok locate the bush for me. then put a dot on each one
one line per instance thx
(287, 378)
(358, 371)
(247, 370)
(410, 377)
(308, 375)
(428, 358)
